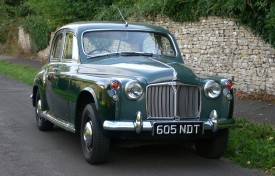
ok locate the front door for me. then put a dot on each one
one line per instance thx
(61, 74)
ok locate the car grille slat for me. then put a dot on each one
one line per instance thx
(162, 99)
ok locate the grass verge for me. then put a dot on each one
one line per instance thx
(252, 146)
(19, 72)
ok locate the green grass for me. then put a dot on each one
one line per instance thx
(19, 72)
(252, 145)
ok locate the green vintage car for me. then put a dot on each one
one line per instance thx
(129, 82)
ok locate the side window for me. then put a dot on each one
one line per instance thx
(71, 49)
(158, 44)
(57, 48)
(167, 49)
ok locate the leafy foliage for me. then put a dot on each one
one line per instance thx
(39, 31)
(59, 12)
(9, 11)
(259, 15)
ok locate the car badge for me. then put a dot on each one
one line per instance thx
(175, 87)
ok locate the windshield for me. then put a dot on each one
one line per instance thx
(96, 43)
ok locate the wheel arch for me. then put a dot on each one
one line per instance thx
(86, 96)
(34, 92)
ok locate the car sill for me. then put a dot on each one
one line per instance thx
(59, 122)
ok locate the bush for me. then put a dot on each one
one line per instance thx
(4, 29)
(59, 12)
(39, 31)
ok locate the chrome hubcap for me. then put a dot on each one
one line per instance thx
(88, 134)
(38, 110)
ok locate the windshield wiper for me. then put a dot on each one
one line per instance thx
(104, 55)
(124, 54)
(136, 54)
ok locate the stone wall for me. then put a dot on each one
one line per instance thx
(219, 46)
(24, 40)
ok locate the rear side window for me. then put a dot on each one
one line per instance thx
(68, 50)
(57, 48)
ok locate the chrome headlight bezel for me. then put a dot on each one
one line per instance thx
(133, 90)
(212, 89)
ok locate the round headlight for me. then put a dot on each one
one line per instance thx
(212, 89)
(133, 90)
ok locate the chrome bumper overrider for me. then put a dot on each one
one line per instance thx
(212, 124)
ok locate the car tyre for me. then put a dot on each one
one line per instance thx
(95, 145)
(42, 123)
(213, 148)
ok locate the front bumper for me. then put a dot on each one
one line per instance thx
(211, 124)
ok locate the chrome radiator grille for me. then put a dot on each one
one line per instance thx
(173, 100)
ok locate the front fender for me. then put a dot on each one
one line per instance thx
(92, 92)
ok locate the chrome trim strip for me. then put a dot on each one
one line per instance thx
(59, 122)
(172, 83)
(175, 90)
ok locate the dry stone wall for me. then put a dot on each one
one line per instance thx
(219, 46)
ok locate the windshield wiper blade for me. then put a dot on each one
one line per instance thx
(123, 54)
(136, 54)
(104, 55)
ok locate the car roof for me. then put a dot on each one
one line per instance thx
(80, 27)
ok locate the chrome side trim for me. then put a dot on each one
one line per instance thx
(59, 122)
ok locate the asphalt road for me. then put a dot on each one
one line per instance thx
(24, 150)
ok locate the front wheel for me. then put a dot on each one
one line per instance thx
(95, 145)
(213, 148)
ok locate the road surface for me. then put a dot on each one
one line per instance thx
(24, 150)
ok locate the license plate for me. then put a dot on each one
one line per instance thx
(177, 128)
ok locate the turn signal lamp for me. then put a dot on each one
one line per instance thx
(115, 85)
(229, 84)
